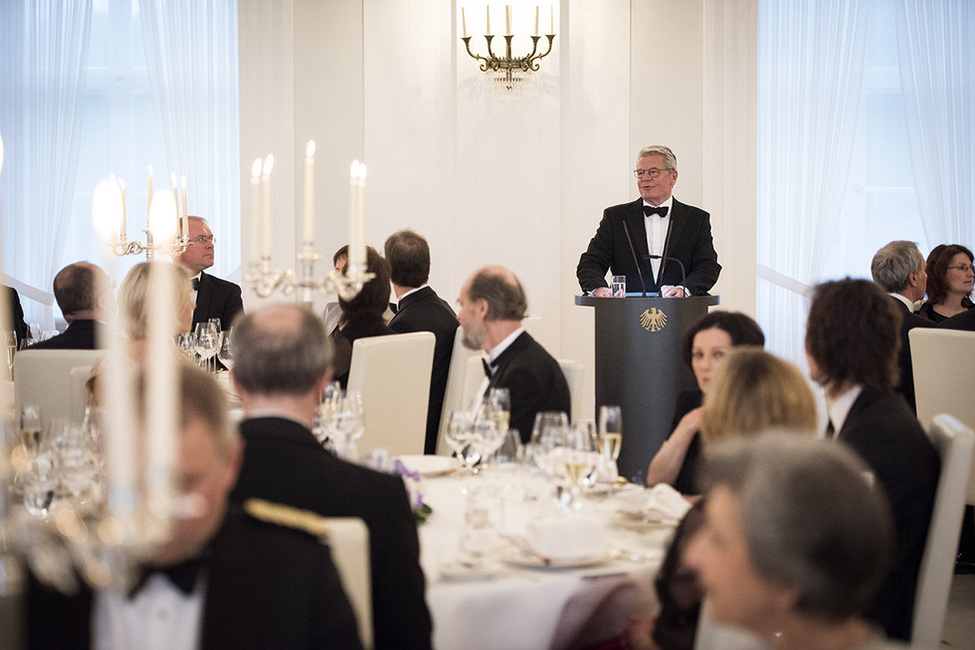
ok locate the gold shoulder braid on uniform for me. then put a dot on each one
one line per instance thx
(287, 516)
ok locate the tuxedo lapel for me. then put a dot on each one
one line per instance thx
(674, 231)
(637, 224)
(202, 298)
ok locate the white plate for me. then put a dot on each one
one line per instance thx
(522, 559)
(430, 465)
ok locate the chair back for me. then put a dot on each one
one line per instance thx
(43, 378)
(944, 373)
(955, 443)
(348, 540)
(392, 373)
(453, 399)
(574, 376)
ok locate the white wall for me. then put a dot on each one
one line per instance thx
(489, 177)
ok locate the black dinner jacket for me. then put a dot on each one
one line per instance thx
(217, 298)
(534, 380)
(425, 311)
(910, 321)
(80, 335)
(689, 241)
(16, 313)
(962, 321)
(886, 434)
(266, 587)
(284, 463)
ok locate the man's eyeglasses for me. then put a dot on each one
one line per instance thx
(964, 268)
(653, 172)
(201, 240)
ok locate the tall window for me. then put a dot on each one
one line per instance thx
(156, 85)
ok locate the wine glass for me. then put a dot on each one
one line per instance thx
(579, 460)
(460, 437)
(226, 351)
(10, 340)
(347, 424)
(611, 431)
(546, 435)
(30, 428)
(498, 406)
(205, 342)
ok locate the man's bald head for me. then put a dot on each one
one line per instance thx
(502, 291)
(281, 350)
(78, 288)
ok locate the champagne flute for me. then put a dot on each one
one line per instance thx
(217, 328)
(30, 428)
(10, 339)
(225, 352)
(611, 435)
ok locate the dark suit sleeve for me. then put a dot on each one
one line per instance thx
(597, 259)
(704, 268)
(233, 306)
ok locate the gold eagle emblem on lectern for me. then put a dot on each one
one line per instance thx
(653, 320)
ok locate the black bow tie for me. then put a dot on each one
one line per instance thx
(196, 284)
(649, 210)
(183, 576)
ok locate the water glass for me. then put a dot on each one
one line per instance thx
(618, 286)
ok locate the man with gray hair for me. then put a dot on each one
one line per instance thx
(214, 297)
(282, 364)
(898, 267)
(84, 294)
(657, 242)
(492, 306)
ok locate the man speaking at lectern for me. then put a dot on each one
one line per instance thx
(652, 237)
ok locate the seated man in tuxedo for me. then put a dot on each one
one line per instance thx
(84, 294)
(281, 366)
(492, 306)
(644, 240)
(852, 337)
(225, 579)
(898, 267)
(214, 297)
(420, 309)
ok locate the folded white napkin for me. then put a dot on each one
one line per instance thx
(569, 537)
(664, 502)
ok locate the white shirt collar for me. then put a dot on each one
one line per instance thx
(669, 204)
(414, 290)
(903, 299)
(839, 407)
(504, 345)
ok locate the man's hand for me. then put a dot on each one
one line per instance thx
(670, 291)
(602, 292)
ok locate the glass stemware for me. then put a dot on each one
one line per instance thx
(205, 342)
(10, 341)
(226, 351)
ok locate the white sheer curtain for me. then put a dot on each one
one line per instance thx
(811, 58)
(43, 68)
(191, 59)
(936, 40)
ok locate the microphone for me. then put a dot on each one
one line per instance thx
(683, 275)
(636, 260)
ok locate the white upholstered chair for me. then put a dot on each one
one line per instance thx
(453, 399)
(392, 373)
(955, 443)
(944, 374)
(44, 378)
(348, 540)
(574, 376)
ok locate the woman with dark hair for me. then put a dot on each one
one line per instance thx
(362, 316)
(950, 276)
(704, 345)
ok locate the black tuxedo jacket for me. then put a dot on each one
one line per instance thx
(962, 321)
(17, 314)
(534, 381)
(886, 434)
(284, 463)
(80, 335)
(911, 320)
(689, 241)
(217, 298)
(425, 311)
(266, 587)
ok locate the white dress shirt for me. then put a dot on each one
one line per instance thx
(159, 617)
(657, 227)
(839, 407)
(491, 358)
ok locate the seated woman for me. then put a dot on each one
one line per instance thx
(704, 345)
(773, 505)
(362, 316)
(133, 311)
(950, 277)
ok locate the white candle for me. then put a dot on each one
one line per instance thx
(172, 177)
(255, 208)
(185, 224)
(536, 20)
(121, 184)
(488, 32)
(353, 212)
(551, 19)
(309, 224)
(149, 204)
(463, 19)
(507, 20)
(266, 221)
(160, 395)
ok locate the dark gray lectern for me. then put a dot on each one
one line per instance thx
(639, 367)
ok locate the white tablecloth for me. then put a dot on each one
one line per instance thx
(519, 606)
